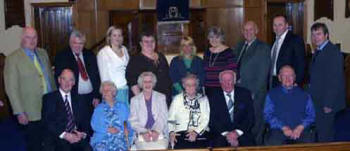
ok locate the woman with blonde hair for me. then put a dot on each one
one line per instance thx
(187, 62)
(112, 61)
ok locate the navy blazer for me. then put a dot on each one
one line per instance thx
(327, 79)
(178, 70)
(292, 52)
(65, 59)
(243, 114)
(54, 114)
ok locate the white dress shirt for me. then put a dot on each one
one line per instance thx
(232, 93)
(84, 87)
(280, 42)
(112, 67)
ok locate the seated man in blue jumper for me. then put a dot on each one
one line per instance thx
(289, 111)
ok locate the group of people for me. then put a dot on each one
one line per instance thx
(243, 96)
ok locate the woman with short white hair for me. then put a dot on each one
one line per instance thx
(148, 115)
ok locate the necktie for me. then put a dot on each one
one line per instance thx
(81, 67)
(41, 74)
(317, 52)
(274, 53)
(244, 49)
(230, 106)
(70, 124)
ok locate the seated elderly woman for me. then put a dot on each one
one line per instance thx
(112, 132)
(189, 116)
(148, 115)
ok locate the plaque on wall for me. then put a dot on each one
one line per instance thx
(324, 8)
(169, 37)
(347, 9)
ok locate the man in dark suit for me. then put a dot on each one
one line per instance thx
(288, 49)
(65, 117)
(253, 68)
(231, 113)
(84, 65)
(326, 85)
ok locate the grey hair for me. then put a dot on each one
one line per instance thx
(216, 32)
(78, 34)
(190, 76)
(227, 72)
(145, 74)
(109, 33)
(108, 83)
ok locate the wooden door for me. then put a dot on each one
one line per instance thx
(53, 21)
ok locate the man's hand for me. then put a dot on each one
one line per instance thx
(95, 102)
(112, 130)
(297, 132)
(192, 136)
(327, 109)
(82, 135)
(71, 137)
(287, 131)
(22, 118)
(232, 138)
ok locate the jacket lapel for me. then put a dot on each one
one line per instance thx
(249, 53)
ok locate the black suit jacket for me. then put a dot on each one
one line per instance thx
(327, 80)
(243, 114)
(292, 52)
(65, 59)
(54, 114)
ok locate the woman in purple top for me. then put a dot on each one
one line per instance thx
(149, 115)
(218, 58)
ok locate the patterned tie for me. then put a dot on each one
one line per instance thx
(41, 73)
(70, 124)
(81, 67)
(230, 106)
(273, 60)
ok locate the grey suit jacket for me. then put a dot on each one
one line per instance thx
(254, 68)
(138, 113)
(23, 83)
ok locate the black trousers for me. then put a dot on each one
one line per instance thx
(63, 145)
(276, 137)
(182, 142)
(33, 135)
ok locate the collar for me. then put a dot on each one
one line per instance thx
(250, 43)
(320, 47)
(286, 90)
(284, 35)
(29, 52)
(232, 93)
(64, 93)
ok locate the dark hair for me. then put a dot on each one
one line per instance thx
(322, 26)
(147, 33)
(283, 16)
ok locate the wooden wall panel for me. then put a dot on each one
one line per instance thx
(230, 19)
(222, 3)
(119, 4)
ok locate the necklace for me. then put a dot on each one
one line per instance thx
(213, 60)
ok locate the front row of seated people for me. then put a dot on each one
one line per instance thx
(193, 120)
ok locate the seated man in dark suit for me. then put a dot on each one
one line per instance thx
(289, 111)
(65, 117)
(231, 113)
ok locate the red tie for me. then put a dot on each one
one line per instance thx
(82, 70)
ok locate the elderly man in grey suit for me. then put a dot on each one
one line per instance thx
(327, 80)
(253, 69)
(27, 77)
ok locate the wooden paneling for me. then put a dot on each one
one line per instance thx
(4, 110)
(323, 8)
(229, 19)
(222, 3)
(53, 21)
(14, 13)
(119, 4)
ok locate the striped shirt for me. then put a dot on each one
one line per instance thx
(214, 63)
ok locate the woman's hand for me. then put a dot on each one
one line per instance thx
(192, 136)
(154, 135)
(112, 130)
(147, 137)
(173, 139)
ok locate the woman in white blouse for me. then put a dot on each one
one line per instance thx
(188, 118)
(112, 61)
